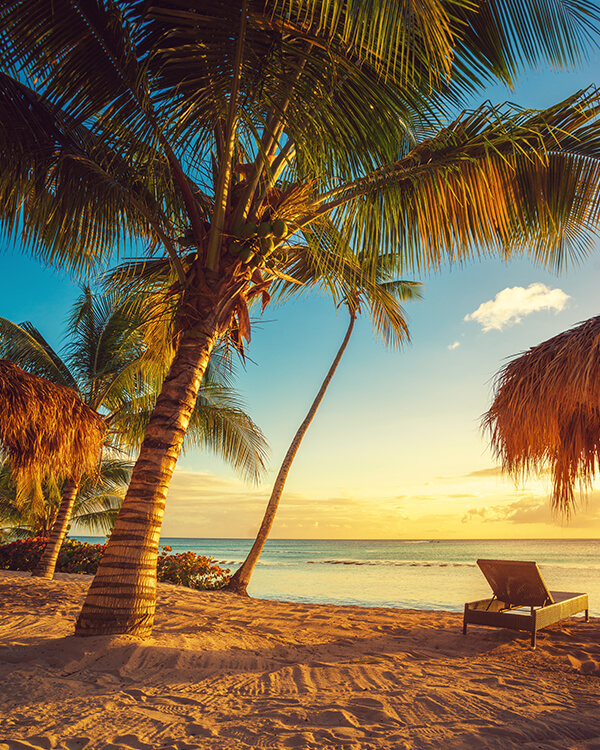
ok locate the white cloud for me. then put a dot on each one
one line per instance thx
(453, 346)
(512, 304)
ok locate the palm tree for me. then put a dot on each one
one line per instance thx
(220, 134)
(106, 364)
(96, 506)
(546, 412)
(389, 320)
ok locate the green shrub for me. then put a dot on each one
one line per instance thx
(22, 554)
(191, 570)
(79, 557)
(185, 569)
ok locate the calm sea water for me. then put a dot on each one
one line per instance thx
(414, 574)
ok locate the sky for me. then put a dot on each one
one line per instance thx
(396, 450)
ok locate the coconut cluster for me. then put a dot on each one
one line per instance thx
(256, 244)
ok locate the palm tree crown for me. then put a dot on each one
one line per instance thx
(107, 363)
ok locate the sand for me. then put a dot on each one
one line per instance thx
(228, 673)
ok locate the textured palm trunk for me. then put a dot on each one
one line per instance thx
(241, 578)
(122, 596)
(47, 563)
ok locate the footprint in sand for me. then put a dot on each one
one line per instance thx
(584, 665)
(128, 742)
(335, 717)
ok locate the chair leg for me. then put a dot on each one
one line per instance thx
(587, 615)
(533, 635)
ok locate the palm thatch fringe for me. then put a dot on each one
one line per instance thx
(546, 412)
(46, 427)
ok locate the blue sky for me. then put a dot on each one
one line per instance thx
(396, 450)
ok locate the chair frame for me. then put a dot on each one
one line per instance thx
(519, 584)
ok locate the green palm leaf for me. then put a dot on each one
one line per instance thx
(494, 180)
(25, 346)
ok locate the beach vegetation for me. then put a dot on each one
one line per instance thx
(185, 569)
(73, 557)
(186, 128)
(107, 364)
(190, 570)
(27, 510)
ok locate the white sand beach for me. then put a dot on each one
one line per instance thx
(227, 673)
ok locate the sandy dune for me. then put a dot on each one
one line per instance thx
(228, 674)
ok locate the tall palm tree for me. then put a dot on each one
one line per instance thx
(218, 134)
(546, 412)
(106, 364)
(390, 322)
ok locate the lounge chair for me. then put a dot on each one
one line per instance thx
(520, 584)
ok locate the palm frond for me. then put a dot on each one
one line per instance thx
(96, 506)
(28, 502)
(25, 346)
(100, 498)
(501, 38)
(328, 262)
(496, 180)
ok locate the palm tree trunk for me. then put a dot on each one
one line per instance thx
(241, 578)
(47, 562)
(122, 597)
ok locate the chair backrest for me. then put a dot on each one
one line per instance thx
(515, 582)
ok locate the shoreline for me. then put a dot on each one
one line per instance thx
(226, 673)
(431, 577)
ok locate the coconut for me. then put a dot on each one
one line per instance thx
(279, 228)
(248, 230)
(264, 229)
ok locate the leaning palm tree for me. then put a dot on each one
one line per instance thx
(383, 300)
(106, 363)
(546, 412)
(220, 135)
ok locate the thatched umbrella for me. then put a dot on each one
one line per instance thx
(546, 412)
(46, 428)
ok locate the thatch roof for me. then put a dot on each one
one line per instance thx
(546, 412)
(46, 427)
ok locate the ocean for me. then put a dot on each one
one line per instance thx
(419, 574)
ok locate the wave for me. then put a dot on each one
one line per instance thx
(544, 564)
(371, 563)
(397, 563)
(419, 541)
(260, 563)
(296, 561)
